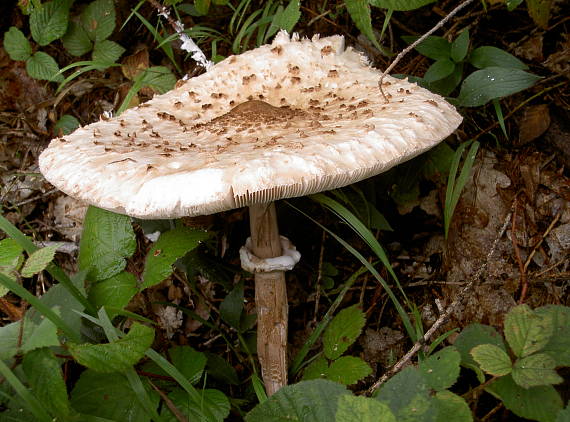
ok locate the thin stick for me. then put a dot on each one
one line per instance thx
(443, 317)
(418, 41)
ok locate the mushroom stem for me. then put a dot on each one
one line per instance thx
(270, 299)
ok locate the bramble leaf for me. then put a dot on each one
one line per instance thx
(343, 330)
(16, 44)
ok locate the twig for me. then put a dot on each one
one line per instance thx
(187, 43)
(418, 41)
(544, 235)
(443, 317)
(523, 280)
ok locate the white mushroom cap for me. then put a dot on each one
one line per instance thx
(320, 123)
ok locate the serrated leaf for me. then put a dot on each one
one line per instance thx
(76, 40)
(400, 5)
(488, 56)
(107, 239)
(38, 260)
(107, 52)
(43, 335)
(118, 355)
(539, 11)
(159, 78)
(359, 11)
(451, 407)
(362, 409)
(307, 401)
(11, 258)
(43, 67)
(213, 400)
(348, 370)
(342, 331)
(440, 69)
(170, 246)
(460, 46)
(232, 306)
(98, 19)
(65, 125)
(115, 292)
(16, 44)
(12, 336)
(492, 359)
(408, 396)
(535, 370)
(48, 22)
(490, 83)
(43, 372)
(188, 361)
(536, 403)
(109, 396)
(317, 369)
(441, 369)
(559, 344)
(474, 335)
(526, 331)
(433, 47)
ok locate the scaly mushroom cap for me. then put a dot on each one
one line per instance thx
(288, 119)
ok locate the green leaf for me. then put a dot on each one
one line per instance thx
(76, 40)
(159, 78)
(559, 344)
(342, 331)
(400, 5)
(317, 369)
(536, 403)
(513, 4)
(49, 21)
(114, 293)
(359, 11)
(440, 69)
(286, 19)
(526, 331)
(488, 56)
(107, 239)
(307, 401)
(98, 19)
(474, 335)
(213, 400)
(65, 125)
(493, 82)
(362, 409)
(43, 372)
(12, 336)
(535, 370)
(564, 415)
(460, 46)
(42, 335)
(10, 260)
(220, 369)
(492, 359)
(451, 407)
(39, 260)
(16, 44)
(348, 370)
(118, 355)
(42, 66)
(408, 396)
(107, 52)
(232, 306)
(441, 369)
(202, 7)
(108, 396)
(188, 361)
(433, 47)
(448, 84)
(170, 246)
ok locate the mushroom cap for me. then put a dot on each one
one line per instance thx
(287, 119)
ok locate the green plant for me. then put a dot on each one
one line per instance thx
(59, 329)
(339, 335)
(499, 73)
(522, 374)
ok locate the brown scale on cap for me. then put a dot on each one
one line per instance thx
(325, 51)
(277, 50)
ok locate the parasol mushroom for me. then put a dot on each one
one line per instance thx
(287, 119)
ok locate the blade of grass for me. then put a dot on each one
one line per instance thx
(401, 312)
(500, 117)
(33, 405)
(56, 272)
(40, 307)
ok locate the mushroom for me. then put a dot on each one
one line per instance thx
(288, 119)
